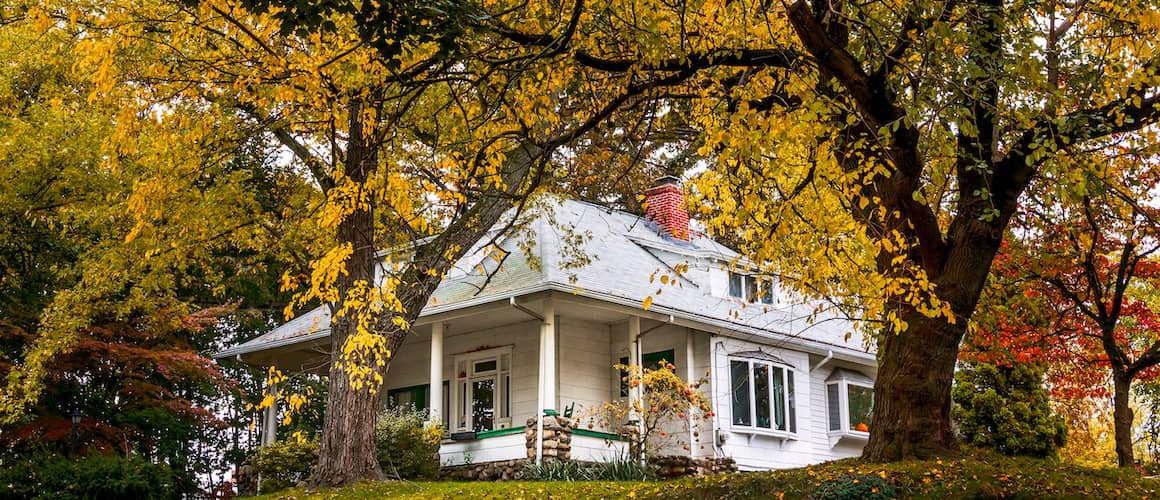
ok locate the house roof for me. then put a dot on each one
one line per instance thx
(612, 256)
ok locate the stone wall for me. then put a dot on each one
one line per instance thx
(488, 471)
(557, 437)
(558, 446)
(680, 466)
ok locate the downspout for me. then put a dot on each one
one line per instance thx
(713, 390)
(824, 360)
(689, 374)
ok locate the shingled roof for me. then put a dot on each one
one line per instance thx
(613, 256)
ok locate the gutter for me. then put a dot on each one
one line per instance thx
(425, 317)
(727, 328)
(675, 317)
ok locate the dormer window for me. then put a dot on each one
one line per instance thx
(849, 403)
(750, 288)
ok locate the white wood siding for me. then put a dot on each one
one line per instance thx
(412, 366)
(811, 444)
(593, 449)
(493, 449)
(584, 349)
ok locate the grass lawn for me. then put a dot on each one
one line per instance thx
(977, 475)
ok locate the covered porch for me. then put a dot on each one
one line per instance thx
(489, 373)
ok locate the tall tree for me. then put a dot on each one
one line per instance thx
(416, 149)
(873, 152)
(1089, 276)
(885, 145)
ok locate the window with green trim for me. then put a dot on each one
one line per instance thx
(415, 396)
(649, 362)
(418, 396)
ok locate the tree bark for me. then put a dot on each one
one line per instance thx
(912, 394)
(347, 452)
(1122, 417)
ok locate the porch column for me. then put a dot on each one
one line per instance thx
(549, 352)
(435, 394)
(690, 376)
(270, 419)
(546, 396)
(634, 393)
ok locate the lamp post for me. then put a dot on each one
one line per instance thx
(76, 422)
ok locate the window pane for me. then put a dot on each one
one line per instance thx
(779, 397)
(751, 289)
(447, 404)
(505, 408)
(735, 285)
(761, 394)
(861, 404)
(739, 374)
(623, 376)
(463, 411)
(792, 402)
(485, 366)
(767, 293)
(483, 404)
(833, 405)
(652, 360)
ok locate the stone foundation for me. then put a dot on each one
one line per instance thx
(674, 466)
(558, 446)
(488, 471)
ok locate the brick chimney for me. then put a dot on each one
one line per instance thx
(665, 204)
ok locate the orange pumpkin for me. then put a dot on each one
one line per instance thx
(861, 427)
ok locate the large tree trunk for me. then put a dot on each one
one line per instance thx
(1122, 417)
(912, 395)
(347, 452)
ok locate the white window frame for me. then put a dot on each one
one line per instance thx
(843, 383)
(750, 281)
(460, 387)
(790, 394)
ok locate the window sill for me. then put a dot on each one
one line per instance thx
(751, 432)
(852, 436)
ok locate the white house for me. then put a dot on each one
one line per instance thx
(497, 342)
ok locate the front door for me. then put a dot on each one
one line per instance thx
(483, 404)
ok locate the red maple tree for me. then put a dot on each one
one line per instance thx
(1077, 288)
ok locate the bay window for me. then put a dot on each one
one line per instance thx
(762, 394)
(849, 403)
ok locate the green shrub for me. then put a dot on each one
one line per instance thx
(406, 448)
(624, 468)
(95, 476)
(1006, 408)
(856, 488)
(284, 464)
(558, 470)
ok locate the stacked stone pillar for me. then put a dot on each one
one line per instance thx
(557, 437)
